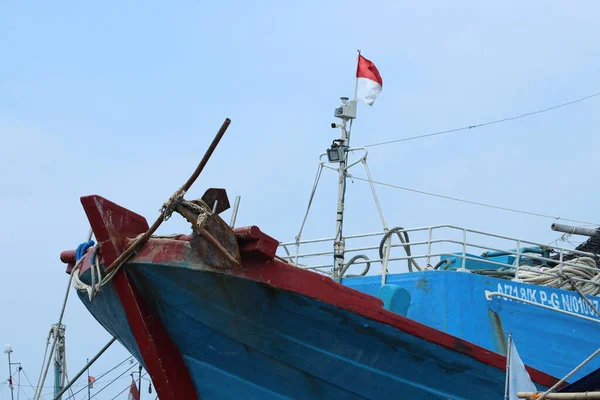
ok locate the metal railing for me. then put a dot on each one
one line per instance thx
(431, 244)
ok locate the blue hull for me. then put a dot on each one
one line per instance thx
(455, 303)
(240, 338)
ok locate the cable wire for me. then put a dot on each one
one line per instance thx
(128, 386)
(19, 383)
(114, 380)
(475, 202)
(100, 377)
(30, 385)
(29, 382)
(497, 121)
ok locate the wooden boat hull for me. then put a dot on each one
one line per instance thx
(269, 330)
(454, 302)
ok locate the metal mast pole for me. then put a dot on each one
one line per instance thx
(88, 374)
(59, 361)
(8, 350)
(508, 355)
(347, 112)
(338, 152)
(140, 382)
(339, 244)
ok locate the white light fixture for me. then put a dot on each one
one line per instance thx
(8, 348)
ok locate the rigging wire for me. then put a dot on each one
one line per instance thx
(497, 121)
(46, 354)
(128, 386)
(26, 377)
(113, 368)
(19, 382)
(30, 385)
(114, 380)
(474, 202)
(100, 377)
(55, 329)
(89, 363)
(21, 386)
(66, 376)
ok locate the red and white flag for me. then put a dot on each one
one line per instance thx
(368, 81)
(134, 393)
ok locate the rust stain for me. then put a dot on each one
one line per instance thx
(463, 347)
(498, 332)
(424, 285)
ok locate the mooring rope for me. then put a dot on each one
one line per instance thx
(568, 277)
(563, 380)
(173, 204)
(587, 271)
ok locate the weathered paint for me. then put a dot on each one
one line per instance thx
(254, 244)
(112, 225)
(500, 336)
(179, 253)
(547, 340)
(267, 327)
(245, 339)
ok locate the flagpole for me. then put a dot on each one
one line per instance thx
(88, 374)
(356, 83)
(355, 95)
(506, 388)
(140, 383)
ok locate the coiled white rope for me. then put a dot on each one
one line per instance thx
(587, 271)
(96, 274)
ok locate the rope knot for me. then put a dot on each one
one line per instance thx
(171, 205)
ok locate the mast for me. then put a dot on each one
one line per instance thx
(338, 153)
(88, 374)
(140, 382)
(59, 360)
(8, 349)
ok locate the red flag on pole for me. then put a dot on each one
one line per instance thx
(368, 81)
(134, 393)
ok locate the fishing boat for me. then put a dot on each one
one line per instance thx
(225, 312)
(478, 286)
(216, 314)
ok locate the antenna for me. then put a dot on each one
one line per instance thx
(8, 350)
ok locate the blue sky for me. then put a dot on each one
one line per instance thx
(121, 99)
